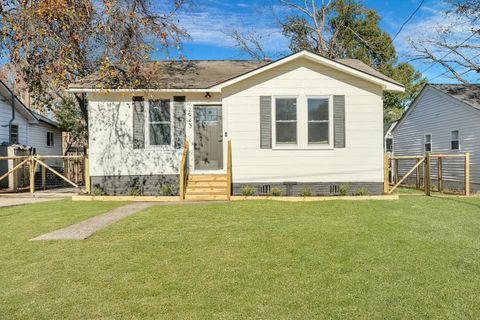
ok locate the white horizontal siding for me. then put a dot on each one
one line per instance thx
(112, 153)
(5, 116)
(38, 139)
(360, 161)
(438, 114)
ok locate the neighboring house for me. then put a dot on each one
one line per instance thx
(443, 119)
(24, 132)
(388, 136)
(303, 121)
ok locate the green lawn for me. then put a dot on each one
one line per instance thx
(414, 258)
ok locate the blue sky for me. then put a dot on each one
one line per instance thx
(208, 20)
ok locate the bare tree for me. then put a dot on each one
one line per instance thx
(457, 51)
(250, 42)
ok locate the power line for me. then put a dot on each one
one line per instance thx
(408, 20)
(450, 51)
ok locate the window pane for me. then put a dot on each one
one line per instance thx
(317, 109)
(286, 109)
(389, 146)
(455, 145)
(455, 135)
(428, 147)
(160, 134)
(428, 138)
(318, 132)
(160, 110)
(286, 132)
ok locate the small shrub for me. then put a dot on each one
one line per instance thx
(276, 192)
(98, 191)
(362, 192)
(344, 189)
(134, 192)
(248, 191)
(306, 192)
(166, 189)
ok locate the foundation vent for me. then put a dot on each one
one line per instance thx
(334, 189)
(264, 189)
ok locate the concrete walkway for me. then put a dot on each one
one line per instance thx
(15, 199)
(85, 229)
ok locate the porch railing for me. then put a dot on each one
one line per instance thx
(184, 171)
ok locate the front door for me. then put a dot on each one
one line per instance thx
(208, 142)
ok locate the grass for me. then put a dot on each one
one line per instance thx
(413, 258)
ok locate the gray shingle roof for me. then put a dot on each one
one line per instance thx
(469, 94)
(201, 74)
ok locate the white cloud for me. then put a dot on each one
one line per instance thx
(209, 23)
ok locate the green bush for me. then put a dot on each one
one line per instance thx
(134, 192)
(306, 192)
(98, 191)
(276, 192)
(362, 192)
(344, 189)
(166, 189)
(248, 191)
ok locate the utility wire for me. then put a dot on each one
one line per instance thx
(408, 20)
(449, 52)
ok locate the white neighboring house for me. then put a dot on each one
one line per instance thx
(303, 121)
(24, 131)
(443, 119)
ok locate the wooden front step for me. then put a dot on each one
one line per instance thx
(207, 177)
(204, 187)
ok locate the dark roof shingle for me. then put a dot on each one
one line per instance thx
(469, 94)
(202, 74)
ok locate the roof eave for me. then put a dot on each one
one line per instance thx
(105, 90)
(385, 85)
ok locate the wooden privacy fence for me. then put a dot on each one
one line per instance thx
(422, 171)
(37, 171)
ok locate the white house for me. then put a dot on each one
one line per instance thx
(443, 119)
(303, 121)
(22, 130)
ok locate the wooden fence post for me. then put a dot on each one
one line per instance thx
(417, 176)
(467, 174)
(386, 186)
(427, 174)
(32, 174)
(396, 171)
(87, 176)
(44, 178)
(440, 174)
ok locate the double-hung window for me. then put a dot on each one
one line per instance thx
(160, 123)
(428, 143)
(318, 121)
(50, 139)
(455, 140)
(13, 134)
(286, 121)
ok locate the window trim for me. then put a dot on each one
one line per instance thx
(458, 140)
(331, 138)
(147, 125)
(425, 142)
(10, 133)
(302, 123)
(53, 140)
(274, 123)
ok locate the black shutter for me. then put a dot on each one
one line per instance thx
(179, 121)
(266, 122)
(138, 123)
(339, 132)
